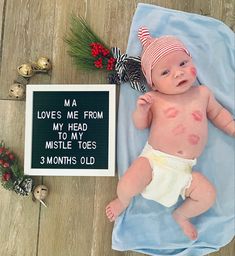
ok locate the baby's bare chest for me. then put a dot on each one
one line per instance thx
(190, 111)
(179, 124)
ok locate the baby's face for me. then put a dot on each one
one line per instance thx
(174, 74)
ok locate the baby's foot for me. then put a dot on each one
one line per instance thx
(187, 227)
(113, 209)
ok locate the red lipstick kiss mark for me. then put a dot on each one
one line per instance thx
(179, 129)
(193, 139)
(171, 112)
(197, 115)
(193, 71)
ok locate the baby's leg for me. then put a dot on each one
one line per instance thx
(133, 182)
(200, 197)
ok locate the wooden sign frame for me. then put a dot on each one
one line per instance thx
(48, 165)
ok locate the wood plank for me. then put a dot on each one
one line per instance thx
(229, 14)
(216, 9)
(101, 239)
(69, 217)
(227, 250)
(13, 45)
(2, 15)
(70, 209)
(28, 34)
(18, 215)
(24, 39)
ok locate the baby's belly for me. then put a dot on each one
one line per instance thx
(179, 140)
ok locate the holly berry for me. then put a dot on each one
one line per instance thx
(6, 176)
(111, 63)
(98, 63)
(6, 165)
(105, 52)
(11, 157)
(1, 150)
(98, 50)
(8, 152)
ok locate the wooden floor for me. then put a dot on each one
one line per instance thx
(74, 223)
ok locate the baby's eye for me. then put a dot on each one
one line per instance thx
(183, 63)
(165, 72)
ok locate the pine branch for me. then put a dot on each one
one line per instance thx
(16, 170)
(8, 184)
(79, 41)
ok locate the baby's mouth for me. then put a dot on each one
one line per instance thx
(181, 83)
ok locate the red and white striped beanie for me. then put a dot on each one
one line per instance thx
(154, 49)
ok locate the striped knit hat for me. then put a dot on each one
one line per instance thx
(154, 49)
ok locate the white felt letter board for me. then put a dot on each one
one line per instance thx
(70, 130)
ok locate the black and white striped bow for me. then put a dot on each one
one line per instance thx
(128, 69)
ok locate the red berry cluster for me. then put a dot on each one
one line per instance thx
(104, 56)
(97, 49)
(99, 63)
(111, 63)
(6, 160)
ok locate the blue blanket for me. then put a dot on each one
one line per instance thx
(146, 226)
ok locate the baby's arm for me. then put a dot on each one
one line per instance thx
(220, 116)
(142, 115)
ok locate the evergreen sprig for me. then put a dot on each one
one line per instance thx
(79, 41)
(11, 173)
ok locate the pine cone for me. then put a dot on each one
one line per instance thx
(113, 78)
(134, 71)
(23, 186)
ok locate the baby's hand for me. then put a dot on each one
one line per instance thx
(144, 102)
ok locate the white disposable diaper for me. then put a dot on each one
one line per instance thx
(171, 176)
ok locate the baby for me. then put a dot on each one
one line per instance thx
(176, 113)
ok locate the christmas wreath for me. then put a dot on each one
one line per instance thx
(90, 53)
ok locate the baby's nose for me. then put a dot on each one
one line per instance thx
(179, 73)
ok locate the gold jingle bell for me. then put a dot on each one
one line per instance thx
(17, 91)
(25, 70)
(43, 63)
(40, 192)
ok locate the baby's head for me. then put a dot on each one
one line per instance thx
(166, 63)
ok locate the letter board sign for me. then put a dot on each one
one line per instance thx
(70, 130)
